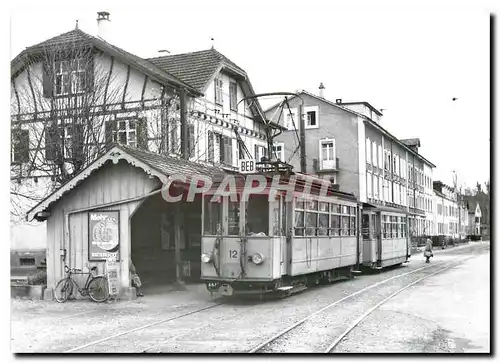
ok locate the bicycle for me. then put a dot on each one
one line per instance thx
(95, 286)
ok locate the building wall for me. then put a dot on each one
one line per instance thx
(109, 184)
(333, 123)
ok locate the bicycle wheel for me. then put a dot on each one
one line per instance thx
(98, 289)
(63, 290)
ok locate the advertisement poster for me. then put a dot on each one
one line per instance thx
(104, 236)
(112, 272)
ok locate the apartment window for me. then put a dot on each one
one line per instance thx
(327, 153)
(381, 188)
(311, 113)
(218, 91)
(69, 77)
(375, 187)
(374, 154)
(394, 164)
(20, 146)
(233, 96)
(259, 152)
(380, 157)
(279, 151)
(127, 133)
(226, 151)
(369, 185)
(291, 121)
(368, 151)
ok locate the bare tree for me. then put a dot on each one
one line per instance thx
(59, 116)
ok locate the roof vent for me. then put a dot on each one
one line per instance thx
(338, 100)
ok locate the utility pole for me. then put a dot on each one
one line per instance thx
(179, 215)
(303, 165)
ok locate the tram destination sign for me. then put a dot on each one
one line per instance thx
(104, 236)
(247, 166)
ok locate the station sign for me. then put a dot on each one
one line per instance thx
(247, 166)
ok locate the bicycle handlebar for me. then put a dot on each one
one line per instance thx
(67, 269)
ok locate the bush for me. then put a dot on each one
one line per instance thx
(38, 278)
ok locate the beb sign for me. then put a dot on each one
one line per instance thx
(104, 235)
(247, 166)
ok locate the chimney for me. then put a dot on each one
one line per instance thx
(103, 25)
(321, 92)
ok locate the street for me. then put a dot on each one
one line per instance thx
(446, 309)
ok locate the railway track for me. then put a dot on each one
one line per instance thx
(146, 326)
(292, 333)
(205, 316)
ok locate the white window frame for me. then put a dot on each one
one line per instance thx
(218, 93)
(374, 154)
(314, 109)
(381, 188)
(70, 77)
(368, 148)
(375, 187)
(380, 157)
(280, 155)
(287, 121)
(329, 163)
(369, 185)
(127, 131)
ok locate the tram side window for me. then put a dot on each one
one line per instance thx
(386, 226)
(323, 218)
(403, 226)
(345, 221)
(258, 215)
(353, 221)
(299, 218)
(213, 217)
(335, 220)
(311, 217)
(233, 227)
(393, 226)
(398, 226)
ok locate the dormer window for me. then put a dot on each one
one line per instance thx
(233, 97)
(69, 77)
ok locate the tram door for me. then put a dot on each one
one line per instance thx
(377, 232)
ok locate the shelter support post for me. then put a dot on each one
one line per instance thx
(180, 285)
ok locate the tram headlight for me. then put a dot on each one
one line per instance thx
(258, 258)
(206, 257)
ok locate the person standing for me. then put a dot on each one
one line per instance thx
(134, 276)
(428, 250)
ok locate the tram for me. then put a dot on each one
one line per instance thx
(385, 236)
(281, 243)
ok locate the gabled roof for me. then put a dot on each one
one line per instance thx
(79, 36)
(196, 68)
(151, 163)
(199, 68)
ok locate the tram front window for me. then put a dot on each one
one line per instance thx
(213, 216)
(257, 216)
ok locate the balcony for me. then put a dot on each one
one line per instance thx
(325, 166)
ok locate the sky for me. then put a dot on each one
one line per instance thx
(408, 58)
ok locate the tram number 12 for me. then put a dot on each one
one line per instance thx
(233, 254)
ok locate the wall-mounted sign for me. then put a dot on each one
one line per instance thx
(247, 166)
(104, 235)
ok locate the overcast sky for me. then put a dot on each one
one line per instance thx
(409, 60)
